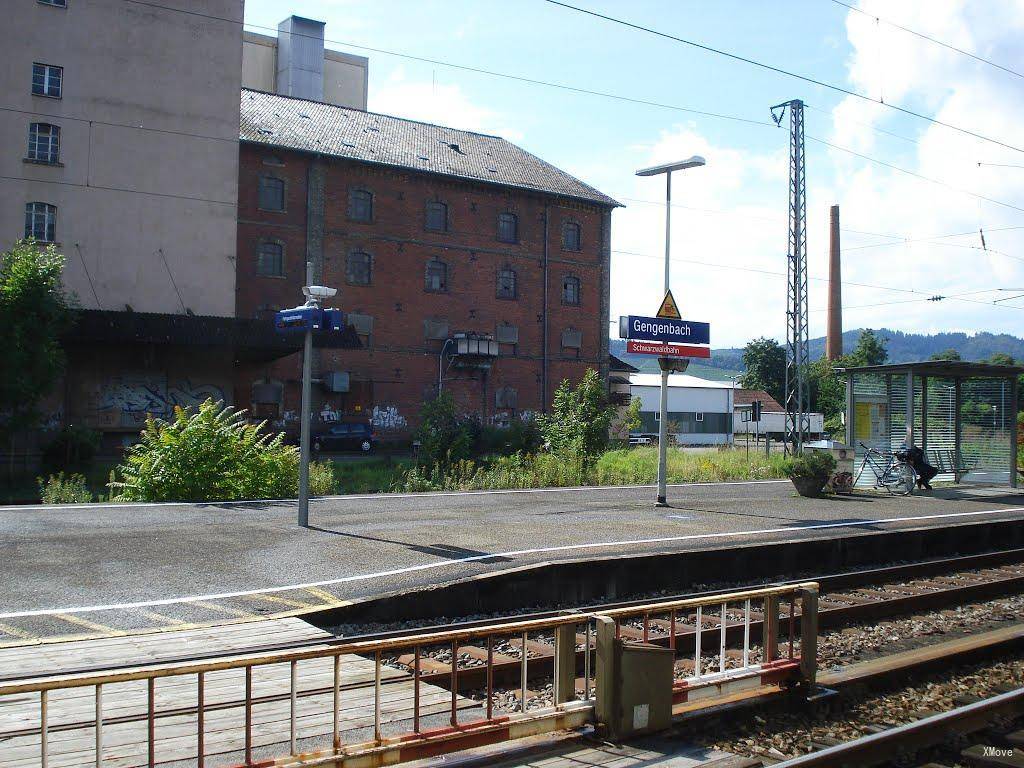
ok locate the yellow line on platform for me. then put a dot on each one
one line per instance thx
(327, 597)
(226, 609)
(7, 629)
(281, 600)
(176, 623)
(89, 624)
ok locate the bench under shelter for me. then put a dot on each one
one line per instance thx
(962, 414)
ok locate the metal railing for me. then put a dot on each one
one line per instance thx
(297, 689)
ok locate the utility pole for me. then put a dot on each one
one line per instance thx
(797, 356)
(307, 375)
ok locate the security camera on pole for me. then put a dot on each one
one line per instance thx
(307, 319)
(671, 357)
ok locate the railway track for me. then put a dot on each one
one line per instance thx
(904, 592)
(851, 596)
(970, 716)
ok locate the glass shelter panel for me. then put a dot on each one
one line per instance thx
(986, 424)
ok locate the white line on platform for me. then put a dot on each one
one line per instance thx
(512, 553)
(378, 496)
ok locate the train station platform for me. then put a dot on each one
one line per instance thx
(99, 570)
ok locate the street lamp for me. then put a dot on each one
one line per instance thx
(692, 162)
(314, 295)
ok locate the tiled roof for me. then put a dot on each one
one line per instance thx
(747, 396)
(312, 126)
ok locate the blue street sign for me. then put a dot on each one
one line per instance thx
(664, 329)
(334, 320)
(298, 320)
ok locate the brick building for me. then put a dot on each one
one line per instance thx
(427, 232)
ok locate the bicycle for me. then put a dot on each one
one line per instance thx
(891, 469)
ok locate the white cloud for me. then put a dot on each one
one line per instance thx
(956, 90)
(437, 102)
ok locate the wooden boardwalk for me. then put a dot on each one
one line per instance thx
(71, 713)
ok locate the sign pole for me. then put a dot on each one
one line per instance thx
(307, 375)
(663, 406)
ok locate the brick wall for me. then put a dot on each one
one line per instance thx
(398, 368)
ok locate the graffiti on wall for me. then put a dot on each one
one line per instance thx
(387, 417)
(125, 401)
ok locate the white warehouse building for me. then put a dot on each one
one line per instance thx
(700, 412)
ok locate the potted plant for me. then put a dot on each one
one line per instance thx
(810, 471)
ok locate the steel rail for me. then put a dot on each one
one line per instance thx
(827, 583)
(881, 748)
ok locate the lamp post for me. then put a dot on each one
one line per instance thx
(314, 294)
(693, 162)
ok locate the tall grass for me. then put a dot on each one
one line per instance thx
(628, 466)
(631, 466)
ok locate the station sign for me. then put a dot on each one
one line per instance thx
(663, 349)
(664, 329)
(302, 319)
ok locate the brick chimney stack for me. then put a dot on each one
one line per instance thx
(834, 335)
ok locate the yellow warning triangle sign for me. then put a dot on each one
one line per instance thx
(668, 307)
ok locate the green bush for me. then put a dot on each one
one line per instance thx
(207, 454)
(817, 465)
(64, 489)
(321, 479)
(579, 418)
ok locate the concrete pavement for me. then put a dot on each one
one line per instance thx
(93, 569)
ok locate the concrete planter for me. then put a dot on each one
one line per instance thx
(809, 486)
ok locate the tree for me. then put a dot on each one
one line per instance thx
(34, 311)
(628, 419)
(1001, 358)
(870, 350)
(950, 354)
(444, 437)
(828, 392)
(577, 426)
(765, 363)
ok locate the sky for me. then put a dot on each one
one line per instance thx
(729, 230)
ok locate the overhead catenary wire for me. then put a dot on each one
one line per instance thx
(929, 38)
(534, 81)
(120, 189)
(787, 73)
(924, 295)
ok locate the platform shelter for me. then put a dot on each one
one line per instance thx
(962, 414)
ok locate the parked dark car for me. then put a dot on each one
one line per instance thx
(345, 437)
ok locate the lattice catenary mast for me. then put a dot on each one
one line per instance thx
(797, 356)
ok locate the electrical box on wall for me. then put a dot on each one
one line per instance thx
(336, 381)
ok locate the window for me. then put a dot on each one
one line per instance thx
(41, 221)
(570, 236)
(46, 80)
(506, 397)
(435, 329)
(506, 333)
(506, 283)
(270, 260)
(55, 3)
(437, 217)
(508, 228)
(437, 276)
(360, 205)
(44, 142)
(359, 268)
(572, 339)
(571, 291)
(699, 416)
(271, 194)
